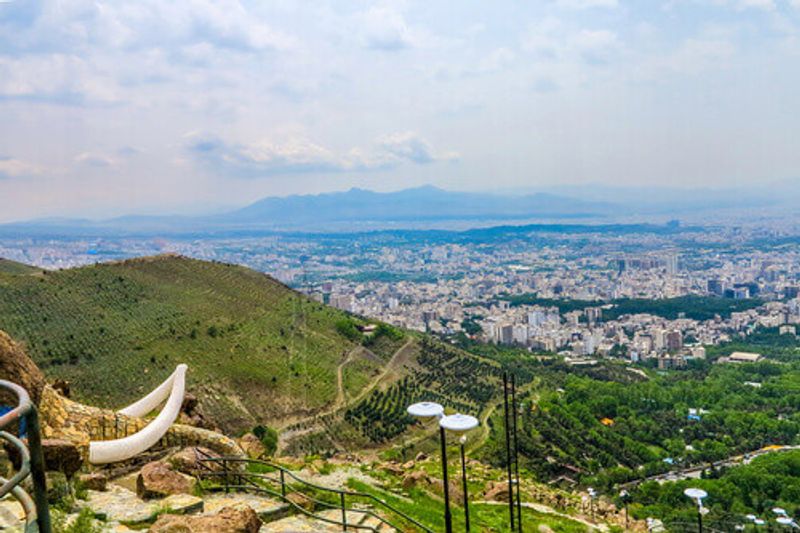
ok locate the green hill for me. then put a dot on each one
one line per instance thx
(258, 352)
(8, 266)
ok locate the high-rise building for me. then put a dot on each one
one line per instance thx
(716, 287)
(674, 341)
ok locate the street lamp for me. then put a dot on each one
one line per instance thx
(697, 495)
(786, 521)
(592, 496)
(427, 410)
(625, 497)
(459, 423)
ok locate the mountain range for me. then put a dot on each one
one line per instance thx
(424, 207)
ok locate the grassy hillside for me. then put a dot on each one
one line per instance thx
(8, 266)
(257, 351)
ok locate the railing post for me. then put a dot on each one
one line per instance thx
(37, 472)
(344, 512)
(225, 470)
(283, 484)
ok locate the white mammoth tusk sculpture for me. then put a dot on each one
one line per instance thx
(111, 451)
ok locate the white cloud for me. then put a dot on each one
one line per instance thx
(553, 40)
(587, 4)
(385, 29)
(96, 160)
(14, 168)
(766, 5)
(299, 155)
(56, 78)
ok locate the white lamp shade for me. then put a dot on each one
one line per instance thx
(695, 494)
(425, 410)
(459, 423)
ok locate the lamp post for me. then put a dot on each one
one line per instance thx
(459, 423)
(784, 519)
(625, 496)
(427, 410)
(592, 496)
(697, 495)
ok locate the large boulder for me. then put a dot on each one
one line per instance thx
(188, 460)
(96, 481)
(496, 491)
(17, 367)
(300, 500)
(228, 520)
(158, 479)
(252, 446)
(62, 455)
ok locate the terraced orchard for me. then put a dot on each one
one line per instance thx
(258, 352)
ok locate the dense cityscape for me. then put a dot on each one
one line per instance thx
(581, 292)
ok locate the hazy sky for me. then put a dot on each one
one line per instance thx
(139, 106)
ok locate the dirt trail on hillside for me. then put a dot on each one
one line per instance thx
(399, 358)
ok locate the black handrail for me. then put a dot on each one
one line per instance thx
(341, 493)
(37, 513)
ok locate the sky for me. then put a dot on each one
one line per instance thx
(110, 108)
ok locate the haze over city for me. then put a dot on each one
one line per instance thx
(112, 108)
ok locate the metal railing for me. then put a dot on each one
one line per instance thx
(281, 483)
(37, 514)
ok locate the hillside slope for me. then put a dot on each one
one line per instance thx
(8, 266)
(257, 351)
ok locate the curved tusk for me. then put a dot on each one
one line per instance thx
(146, 405)
(110, 451)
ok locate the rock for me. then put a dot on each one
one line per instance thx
(456, 492)
(187, 460)
(416, 479)
(252, 446)
(393, 468)
(228, 520)
(158, 479)
(189, 403)
(300, 500)
(17, 367)
(62, 455)
(496, 491)
(94, 481)
(409, 465)
(544, 528)
(421, 456)
(63, 387)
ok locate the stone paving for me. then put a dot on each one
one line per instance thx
(119, 504)
(11, 514)
(298, 524)
(266, 508)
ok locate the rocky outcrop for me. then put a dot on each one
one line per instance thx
(158, 479)
(228, 520)
(17, 367)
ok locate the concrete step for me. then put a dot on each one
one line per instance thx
(298, 524)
